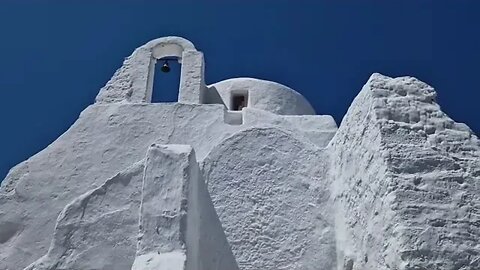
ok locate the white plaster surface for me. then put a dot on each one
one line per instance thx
(268, 188)
(157, 213)
(133, 82)
(177, 214)
(106, 139)
(134, 185)
(174, 260)
(98, 230)
(406, 193)
(264, 95)
(163, 211)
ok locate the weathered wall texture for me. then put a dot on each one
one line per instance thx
(88, 234)
(105, 140)
(269, 191)
(396, 187)
(156, 214)
(405, 182)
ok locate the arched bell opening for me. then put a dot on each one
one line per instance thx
(166, 80)
(191, 85)
(134, 81)
(165, 73)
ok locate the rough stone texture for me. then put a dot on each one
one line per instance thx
(269, 191)
(396, 187)
(98, 229)
(106, 139)
(405, 182)
(155, 215)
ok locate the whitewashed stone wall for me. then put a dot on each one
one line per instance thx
(406, 182)
(396, 187)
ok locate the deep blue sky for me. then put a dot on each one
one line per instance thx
(57, 55)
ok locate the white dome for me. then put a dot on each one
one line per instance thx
(264, 95)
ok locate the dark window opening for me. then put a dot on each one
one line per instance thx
(166, 84)
(239, 101)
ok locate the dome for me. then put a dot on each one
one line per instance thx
(260, 94)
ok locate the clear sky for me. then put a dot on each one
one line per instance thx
(56, 55)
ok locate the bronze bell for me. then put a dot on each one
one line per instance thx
(165, 68)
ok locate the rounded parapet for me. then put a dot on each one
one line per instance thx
(169, 47)
(133, 82)
(185, 44)
(260, 94)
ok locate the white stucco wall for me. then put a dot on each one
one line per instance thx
(105, 140)
(268, 188)
(405, 181)
(156, 214)
(393, 188)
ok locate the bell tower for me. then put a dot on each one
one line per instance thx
(133, 82)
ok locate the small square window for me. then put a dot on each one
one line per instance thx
(239, 101)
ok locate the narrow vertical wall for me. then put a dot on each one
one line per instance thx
(179, 228)
(363, 220)
(192, 85)
(207, 245)
(163, 209)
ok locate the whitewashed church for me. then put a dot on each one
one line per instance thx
(242, 174)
